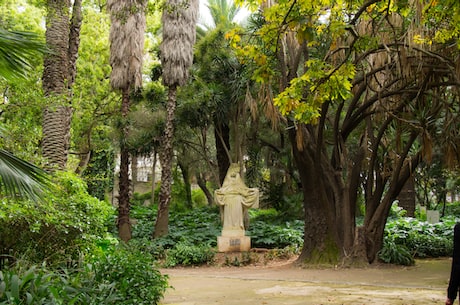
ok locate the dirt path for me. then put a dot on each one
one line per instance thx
(284, 284)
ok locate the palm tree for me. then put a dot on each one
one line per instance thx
(62, 36)
(179, 34)
(126, 48)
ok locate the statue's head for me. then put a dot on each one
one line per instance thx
(233, 178)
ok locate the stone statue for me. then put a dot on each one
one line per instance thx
(234, 197)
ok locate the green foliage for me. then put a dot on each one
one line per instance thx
(407, 238)
(393, 253)
(58, 228)
(452, 209)
(199, 198)
(133, 275)
(99, 173)
(123, 276)
(267, 231)
(186, 254)
(39, 286)
(31, 287)
(198, 227)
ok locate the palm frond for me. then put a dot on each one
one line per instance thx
(19, 178)
(17, 50)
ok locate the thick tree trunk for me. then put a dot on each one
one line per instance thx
(56, 136)
(166, 157)
(123, 222)
(320, 241)
(63, 36)
(329, 203)
(56, 117)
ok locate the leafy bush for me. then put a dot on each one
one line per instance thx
(269, 235)
(452, 209)
(419, 238)
(125, 276)
(186, 254)
(39, 286)
(58, 228)
(198, 198)
(31, 287)
(133, 275)
(393, 253)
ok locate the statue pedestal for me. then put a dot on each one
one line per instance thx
(233, 243)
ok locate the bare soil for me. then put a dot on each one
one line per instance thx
(270, 282)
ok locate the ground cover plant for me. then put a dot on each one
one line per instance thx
(407, 238)
(192, 237)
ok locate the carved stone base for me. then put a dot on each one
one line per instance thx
(233, 243)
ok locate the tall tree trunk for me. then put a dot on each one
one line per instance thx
(166, 157)
(320, 245)
(154, 177)
(126, 52)
(123, 222)
(63, 36)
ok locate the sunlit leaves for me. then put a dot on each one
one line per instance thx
(303, 98)
(319, 26)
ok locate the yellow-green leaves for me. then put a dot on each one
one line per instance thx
(302, 100)
(299, 50)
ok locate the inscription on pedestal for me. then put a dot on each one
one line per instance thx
(233, 244)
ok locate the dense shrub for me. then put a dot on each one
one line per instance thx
(268, 230)
(407, 238)
(393, 253)
(132, 274)
(124, 276)
(56, 229)
(268, 235)
(186, 254)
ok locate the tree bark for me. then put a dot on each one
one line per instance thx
(187, 185)
(202, 184)
(222, 136)
(320, 241)
(166, 157)
(123, 222)
(57, 80)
